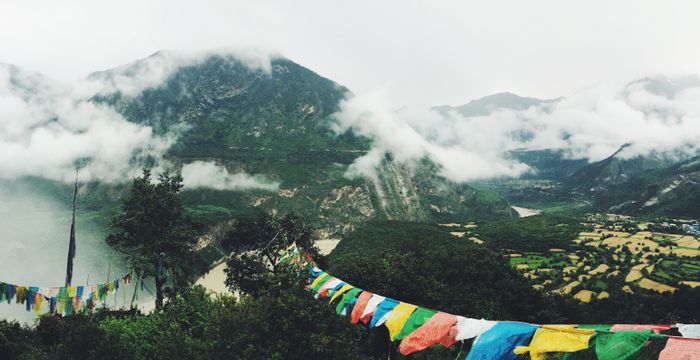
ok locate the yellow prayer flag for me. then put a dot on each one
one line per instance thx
(556, 338)
(340, 291)
(60, 306)
(318, 279)
(38, 301)
(71, 291)
(397, 318)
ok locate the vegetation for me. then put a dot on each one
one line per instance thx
(281, 323)
(256, 243)
(154, 231)
(534, 233)
(419, 263)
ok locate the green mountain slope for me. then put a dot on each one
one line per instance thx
(277, 123)
(649, 184)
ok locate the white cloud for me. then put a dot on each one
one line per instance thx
(411, 135)
(131, 79)
(201, 174)
(47, 128)
(591, 124)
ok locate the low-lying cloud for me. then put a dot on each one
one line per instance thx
(654, 115)
(130, 80)
(201, 174)
(47, 129)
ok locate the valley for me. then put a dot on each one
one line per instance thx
(611, 255)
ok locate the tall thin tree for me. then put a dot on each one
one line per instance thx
(71, 243)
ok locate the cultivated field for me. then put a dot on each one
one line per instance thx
(613, 254)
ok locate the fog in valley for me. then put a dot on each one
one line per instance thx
(34, 231)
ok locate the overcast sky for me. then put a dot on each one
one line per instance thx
(418, 52)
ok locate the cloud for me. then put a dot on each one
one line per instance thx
(201, 174)
(412, 134)
(46, 129)
(153, 71)
(659, 115)
(49, 128)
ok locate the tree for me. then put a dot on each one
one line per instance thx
(153, 229)
(256, 243)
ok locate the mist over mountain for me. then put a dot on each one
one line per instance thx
(488, 104)
(252, 130)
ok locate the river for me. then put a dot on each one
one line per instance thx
(525, 212)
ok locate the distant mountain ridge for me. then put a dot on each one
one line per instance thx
(488, 104)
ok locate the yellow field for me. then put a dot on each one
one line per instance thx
(567, 289)
(688, 241)
(451, 225)
(644, 245)
(641, 234)
(600, 269)
(475, 240)
(634, 275)
(584, 295)
(531, 276)
(657, 286)
(570, 269)
(686, 252)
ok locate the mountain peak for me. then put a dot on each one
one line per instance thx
(488, 104)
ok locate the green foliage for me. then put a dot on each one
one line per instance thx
(256, 243)
(282, 323)
(424, 265)
(534, 233)
(153, 229)
(17, 342)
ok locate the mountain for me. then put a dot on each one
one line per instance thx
(276, 122)
(642, 184)
(489, 104)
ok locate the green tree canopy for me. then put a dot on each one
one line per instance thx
(153, 230)
(256, 243)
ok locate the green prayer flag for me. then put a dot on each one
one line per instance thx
(320, 283)
(596, 327)
(620, 345)
(63, 293)
(347, 297)
(416, 320)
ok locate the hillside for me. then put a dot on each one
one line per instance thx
(651, 184)
(277, 124)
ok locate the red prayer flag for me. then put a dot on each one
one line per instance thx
(360, 306)
(656, 327)
(435, 330)
(678, 348)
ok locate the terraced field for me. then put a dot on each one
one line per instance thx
(621, 257)
(606, 259)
